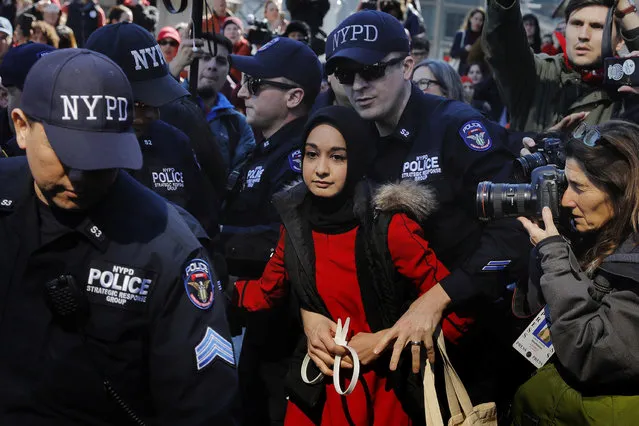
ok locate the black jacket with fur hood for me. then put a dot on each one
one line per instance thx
(385, 293)
(374, 207)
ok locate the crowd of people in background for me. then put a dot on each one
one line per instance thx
(318, 175)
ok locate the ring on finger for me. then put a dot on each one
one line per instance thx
(415, 342)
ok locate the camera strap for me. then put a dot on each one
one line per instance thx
(607, 49)
(70, 308)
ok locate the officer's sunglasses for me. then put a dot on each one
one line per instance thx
(254, 85)
(368, 73)
(589, 135)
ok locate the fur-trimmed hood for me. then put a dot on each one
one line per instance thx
(417, 200)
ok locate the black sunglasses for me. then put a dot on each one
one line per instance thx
(168, 41)
(589, 135)
(254, 84)
(368, 72)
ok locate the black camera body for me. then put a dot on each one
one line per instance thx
(549, 151)
(258, 32)
(500, 200)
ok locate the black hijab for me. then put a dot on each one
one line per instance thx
(335, 215)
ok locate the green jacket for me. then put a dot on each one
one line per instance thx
(539, 90)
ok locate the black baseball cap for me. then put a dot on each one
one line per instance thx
(284, 57)
(135, 50)
(19, 60)
(85, 104)
(365, 37)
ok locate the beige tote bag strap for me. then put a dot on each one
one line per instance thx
(451, 395)
(431, 403)
(455, 389)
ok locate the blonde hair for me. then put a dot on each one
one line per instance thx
(466, 24)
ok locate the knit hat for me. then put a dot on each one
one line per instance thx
(233, 20)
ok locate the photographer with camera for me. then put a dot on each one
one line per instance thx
(539, 90)
(590, 286)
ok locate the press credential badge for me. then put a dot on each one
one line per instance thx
(535, 343)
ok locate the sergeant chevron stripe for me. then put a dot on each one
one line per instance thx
(496, 265)
(213, 345)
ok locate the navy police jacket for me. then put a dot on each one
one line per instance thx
(142, 313)
(451, 147)
(251, 225)
(171, 170)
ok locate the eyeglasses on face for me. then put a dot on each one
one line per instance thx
(254, 85)
(424, 83)
(168, 41)
(589, 135)
(368, 73)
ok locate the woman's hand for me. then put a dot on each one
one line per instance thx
(536, 233)
(416, 325)
(364, 346)
(569, 121)
(320, 332)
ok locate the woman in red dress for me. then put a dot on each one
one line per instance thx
(350, 252)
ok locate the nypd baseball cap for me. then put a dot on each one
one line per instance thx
(85, 104)
(284, 57)
(365, 37)
(18, 61)
(135, 50)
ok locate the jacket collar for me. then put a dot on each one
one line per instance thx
(624, 262)
(19, 202)
(287, 136)
(411, 119)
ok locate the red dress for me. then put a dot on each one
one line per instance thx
(336, 281)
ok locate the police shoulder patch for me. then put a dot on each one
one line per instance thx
(197, 282)
(476, 136)
(295, 161)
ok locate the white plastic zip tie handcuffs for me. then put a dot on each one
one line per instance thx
(339, 339)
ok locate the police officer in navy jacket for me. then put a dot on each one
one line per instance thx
(110, 311)
(169, 167)
(280, 85)
(446, 145)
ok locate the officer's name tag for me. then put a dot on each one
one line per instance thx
(535, 343)
(119, 286)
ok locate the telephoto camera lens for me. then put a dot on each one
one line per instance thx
(500, 200)
(524, 166)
